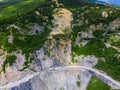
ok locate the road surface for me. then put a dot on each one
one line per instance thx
(114, 84)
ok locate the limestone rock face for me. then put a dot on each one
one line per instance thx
(115, 24)
(62, 21)
(56, 52)
(104, 14)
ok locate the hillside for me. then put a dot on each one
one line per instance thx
(18, 8)
(59, 45)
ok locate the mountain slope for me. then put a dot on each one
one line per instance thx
(21, 7)
(39, 37)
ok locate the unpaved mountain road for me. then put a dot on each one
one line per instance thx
(114, 84)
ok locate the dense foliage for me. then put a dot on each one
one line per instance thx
(96, 84)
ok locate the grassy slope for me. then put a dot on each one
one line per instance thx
(96, 84)
(19, 8)
(5, 4)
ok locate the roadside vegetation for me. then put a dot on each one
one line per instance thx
(96, 84)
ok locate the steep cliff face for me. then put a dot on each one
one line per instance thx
(57, 50)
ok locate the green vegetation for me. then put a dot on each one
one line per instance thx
(111, 65)
(109, 60)
(96, 84)
(73, 2)
(19, 8)
(94, 14)
(76, 30)
(98, 34)
(78, 83)
(8, 62)
(31, 43)
(96, 48)
(5, 4)
(92, 48)
(22, 40)
(113, 40)
(3, 39)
